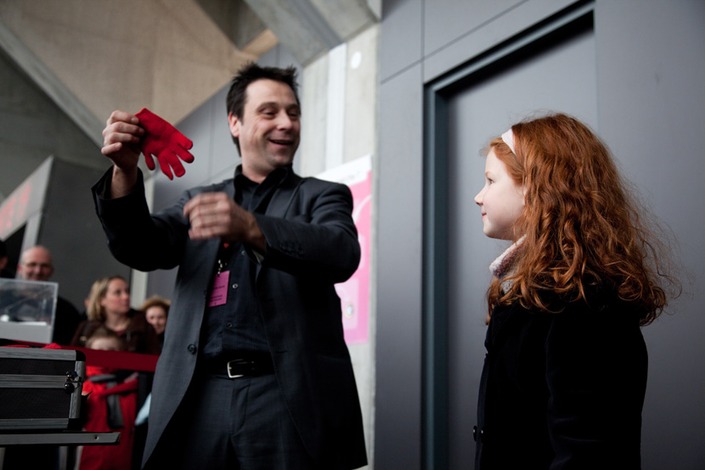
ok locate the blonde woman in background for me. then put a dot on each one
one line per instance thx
(108, 305)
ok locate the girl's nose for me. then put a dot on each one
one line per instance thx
(478, 198)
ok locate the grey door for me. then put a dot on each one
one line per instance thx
(556, 73)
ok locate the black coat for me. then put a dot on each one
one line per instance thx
(563, 390)
(311, 245)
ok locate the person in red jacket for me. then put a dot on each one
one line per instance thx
(111, 406)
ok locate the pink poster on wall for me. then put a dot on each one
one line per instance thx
(354, 293)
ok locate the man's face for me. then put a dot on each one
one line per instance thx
(35, 265)
(270, 128)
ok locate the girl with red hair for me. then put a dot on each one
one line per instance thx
(565, 372)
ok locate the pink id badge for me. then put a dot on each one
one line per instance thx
(219, 293)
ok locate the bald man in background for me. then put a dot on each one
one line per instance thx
(36, 265)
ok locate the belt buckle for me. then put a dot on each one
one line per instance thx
(229, 367)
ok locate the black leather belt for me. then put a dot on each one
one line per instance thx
(247, 365)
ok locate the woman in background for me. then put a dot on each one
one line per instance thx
(108, 305)
(156, 311)
(565, 372)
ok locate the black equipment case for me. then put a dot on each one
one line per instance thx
(40, 389)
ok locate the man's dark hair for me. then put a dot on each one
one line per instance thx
(3, 249)
(250, 73)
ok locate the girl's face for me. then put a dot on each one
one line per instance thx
(501, 200)
(156, 316)
(117, 297)
(105, 344)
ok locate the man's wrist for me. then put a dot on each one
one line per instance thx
(123, 181)
(256, 237)
(253, 234)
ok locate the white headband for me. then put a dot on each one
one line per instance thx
(508, 138)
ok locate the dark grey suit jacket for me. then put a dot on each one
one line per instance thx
(311, 245)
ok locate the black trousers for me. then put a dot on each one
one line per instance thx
(238, 424)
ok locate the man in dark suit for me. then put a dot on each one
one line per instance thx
(254, 373)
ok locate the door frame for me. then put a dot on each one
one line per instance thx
(435, 258)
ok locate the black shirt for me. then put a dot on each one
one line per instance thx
(234, 324)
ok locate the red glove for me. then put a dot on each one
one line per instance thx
(164, 141)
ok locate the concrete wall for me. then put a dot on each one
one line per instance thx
(650, 106)
(34, 129)
(70, 229)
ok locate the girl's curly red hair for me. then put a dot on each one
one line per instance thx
(581, 228)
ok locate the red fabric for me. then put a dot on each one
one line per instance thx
(164, 141)
(119, 359)
(116, 359)
(109, 457)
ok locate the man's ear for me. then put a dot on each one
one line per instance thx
(234, 124)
